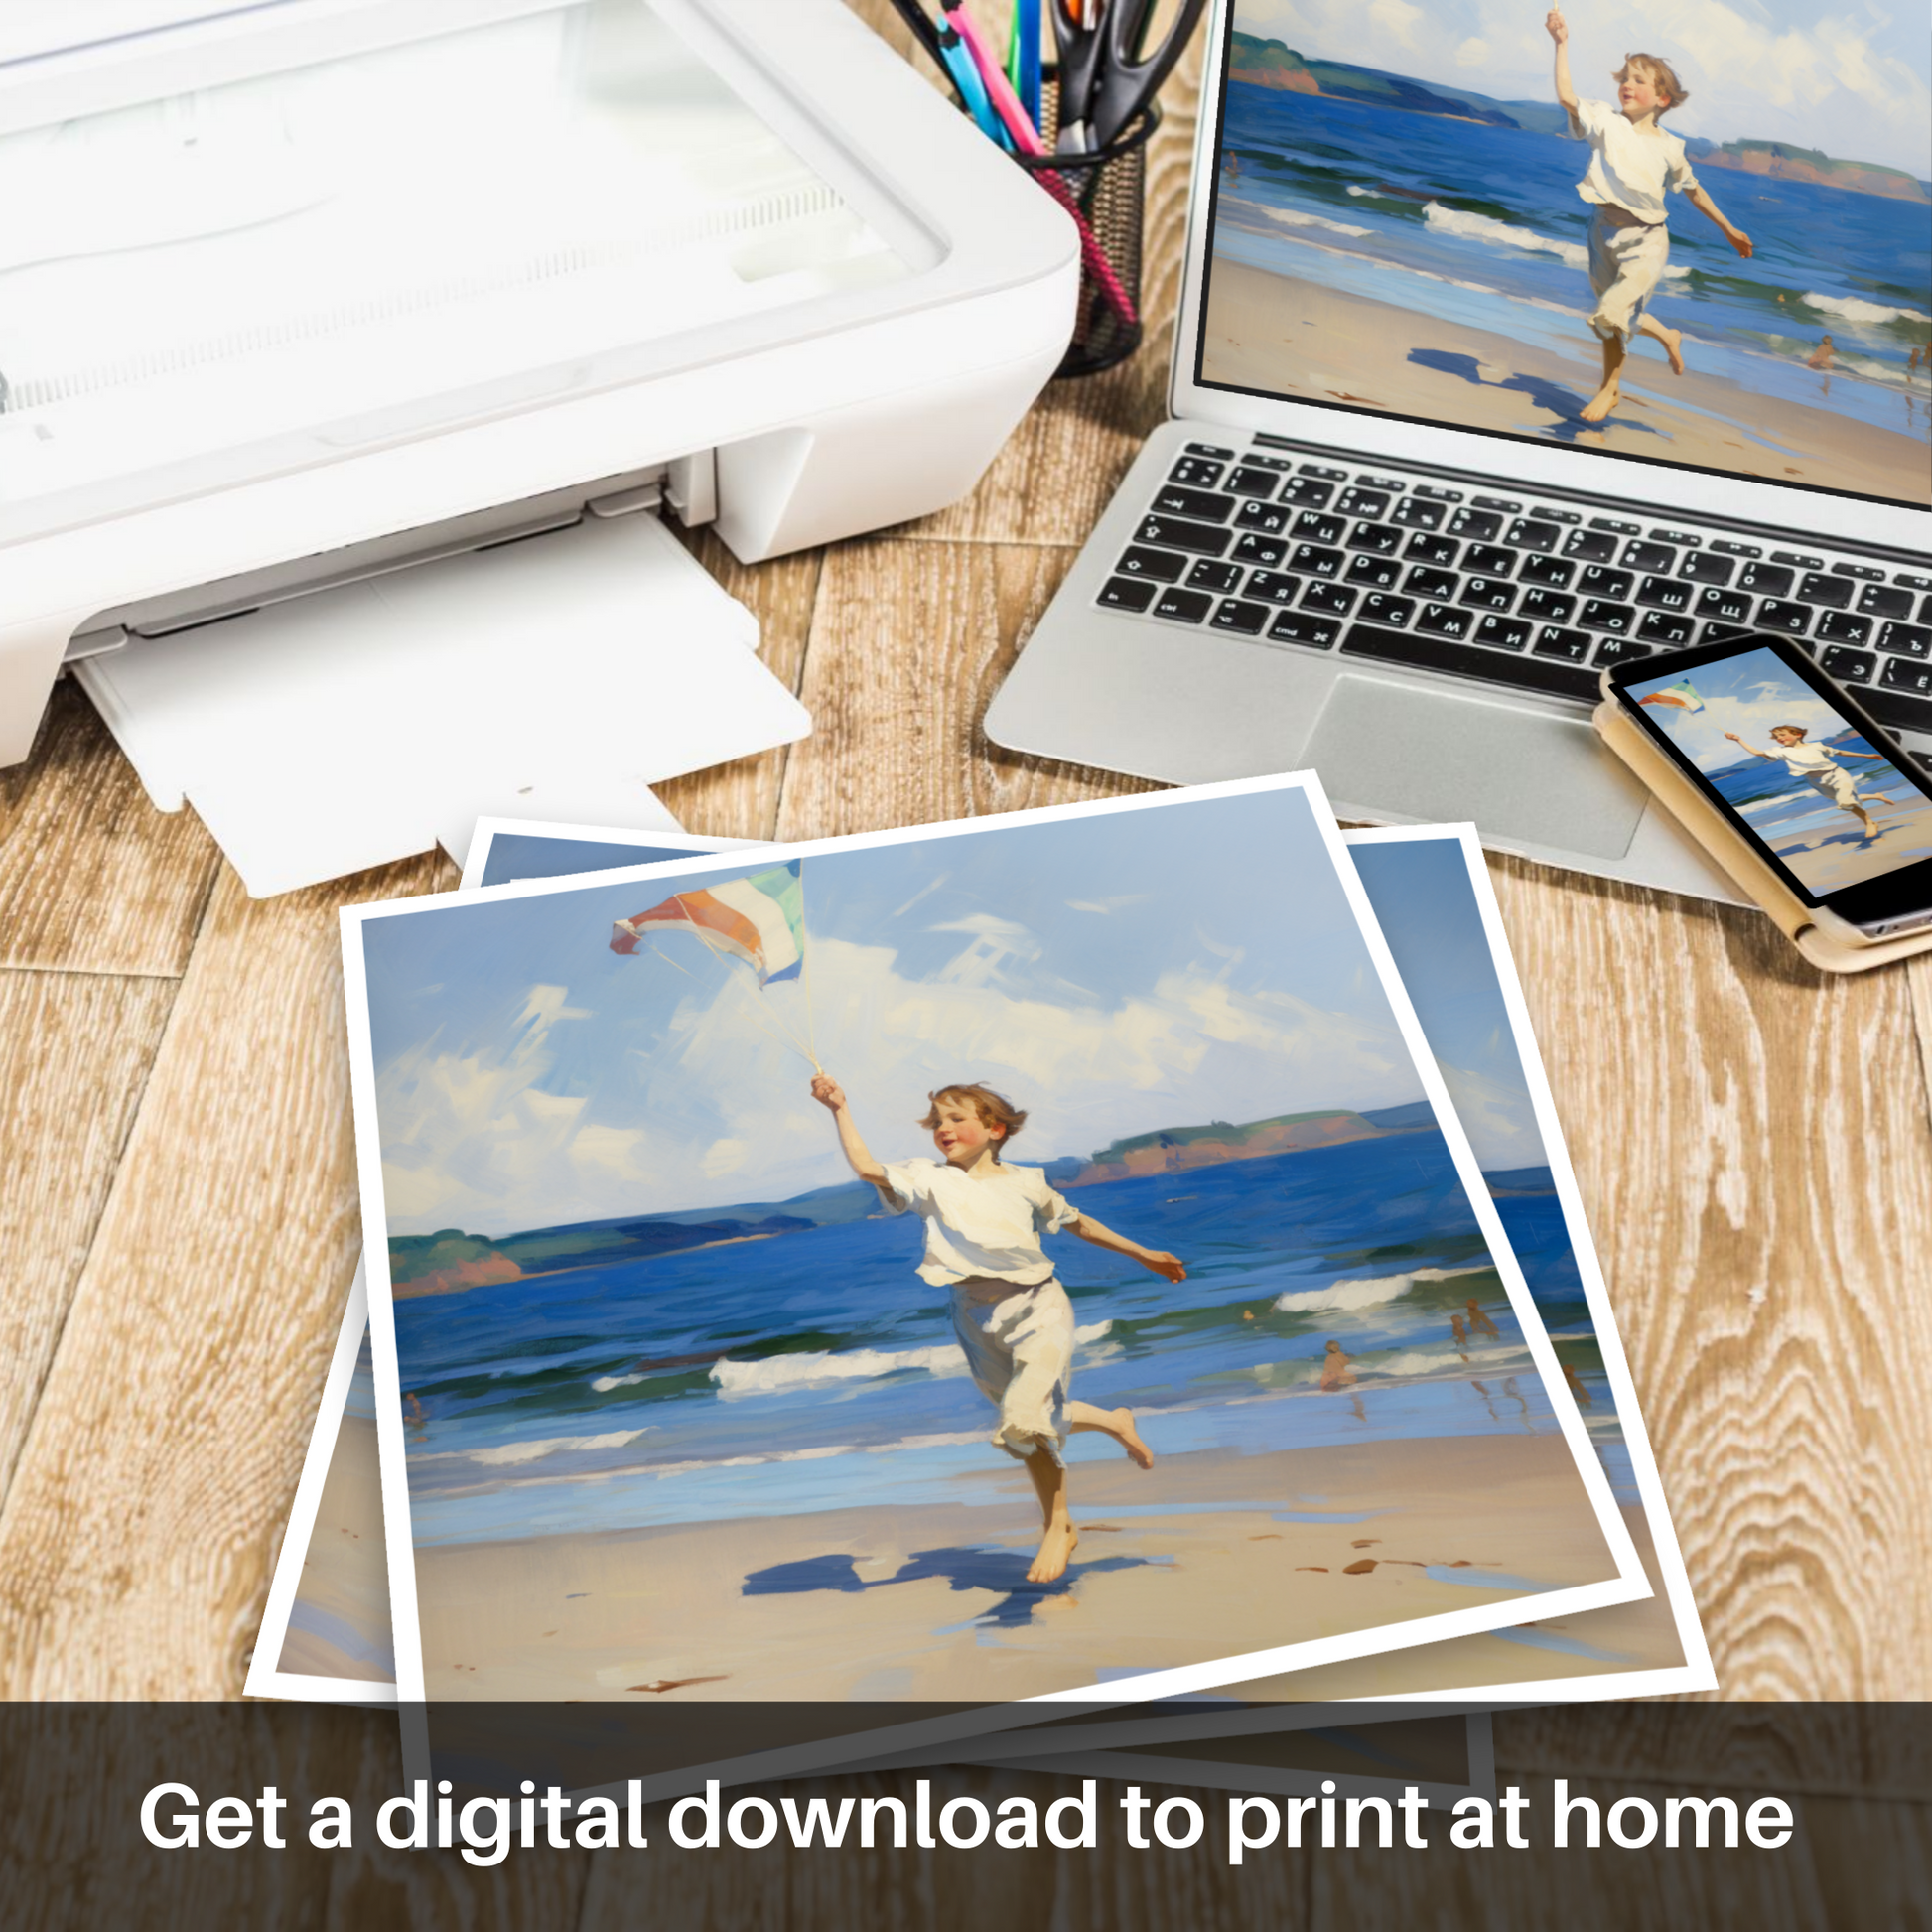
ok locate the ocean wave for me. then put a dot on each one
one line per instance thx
(1447, 1360)
(1483, 227)
(1366, 1291)
(1853, 309)
(814, 1369)
(1291, 218)
(507, 1455)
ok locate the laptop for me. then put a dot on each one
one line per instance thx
(1380, 537)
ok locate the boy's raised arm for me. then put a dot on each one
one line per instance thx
(1162, 1263)
(829, 1094)
(1559, 31)
(1752, 749)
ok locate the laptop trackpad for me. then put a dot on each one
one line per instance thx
(1389, 747)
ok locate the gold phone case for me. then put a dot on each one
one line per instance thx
(1736, 855)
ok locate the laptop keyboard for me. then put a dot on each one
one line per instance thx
(1529, 594)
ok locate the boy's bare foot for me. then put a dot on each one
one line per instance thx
(1056, 1551)
(1601, 404)
(1672, 341)
(1129, 1437)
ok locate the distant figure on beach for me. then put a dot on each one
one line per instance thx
(1576, 1388)
(1817, 766)
(983, 1223)
(1479, 1324)
(1631, 163)
(1821, 357)
(1335, 1372)
(1912, 368)
(1462, 1335)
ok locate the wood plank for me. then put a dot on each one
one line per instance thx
(96, 880)
(1755, 1158)
(74, 1054)
(909, 642)
(740, 799)
(136, 1537)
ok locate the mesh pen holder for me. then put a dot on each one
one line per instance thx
(1105, 191)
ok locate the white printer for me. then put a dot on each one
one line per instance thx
(310, 310)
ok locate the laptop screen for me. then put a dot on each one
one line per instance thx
(1407, 219)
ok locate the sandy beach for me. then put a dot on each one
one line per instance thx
(895, 1604)
(339, 1623)
(1303, 340)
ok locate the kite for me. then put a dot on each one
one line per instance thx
(1681, 696)
(758, 920)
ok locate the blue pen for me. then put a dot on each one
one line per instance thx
(972, 89)
(1025, 81)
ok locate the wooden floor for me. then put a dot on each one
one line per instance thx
(1752, 1139)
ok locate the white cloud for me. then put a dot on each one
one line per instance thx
(1472, 52)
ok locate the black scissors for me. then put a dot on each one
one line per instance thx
(1107, 75)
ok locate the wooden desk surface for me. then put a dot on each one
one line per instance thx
(1752, 1139)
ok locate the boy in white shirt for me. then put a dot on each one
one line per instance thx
(1818, 766)
(1632, 161)
(983, 1223)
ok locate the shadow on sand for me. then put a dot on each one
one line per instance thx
(1556, 397)
(962, 1567)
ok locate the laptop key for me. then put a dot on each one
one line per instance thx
(1419, 513)
(1907, 639)
(1172, 500)
(1332, 599)
(1503, 633)
(1317, 529)
(1599, 582)
(1895, 709)
(1488, 594)
(1253, 550)
(1768, 580)
(1847, 666)
(1554, 642)
(1553, 571)
(1209, 574)
(1666, 627)
(1599, 613)
(1394, 612)
(1590, 546)
(1210, 449)
(1779, 614)
(1880, 601)
(1435, 651)
(1841, 627)
(1127, 592)
(1445, 620)
(1315, 561)
(1247, 480)
(1197, 472)
(1528, 533)
(1356, 501)
(1437, 584)
(1648, 556)
(1479, 525)
(1302, 627)
(1489, 560)
(1546, 606)
(1236, 613)
(1183, 607)
(1175, 533)
(1162, 565)
(1276, 586)
(1270, 518)
(1378, 572)
(1834, 592)
(1620, 650)
(1901, 675)
(1382, 538)
(1426, 549)
(1699, 567)
(1307, 493)
(1725, 607)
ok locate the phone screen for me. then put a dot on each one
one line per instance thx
(1791, 760)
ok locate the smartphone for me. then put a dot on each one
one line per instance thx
(1839, 809)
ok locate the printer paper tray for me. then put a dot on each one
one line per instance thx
(556, 677)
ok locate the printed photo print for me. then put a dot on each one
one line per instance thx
(1679, 230)
(927, 1269)
(1836, 811)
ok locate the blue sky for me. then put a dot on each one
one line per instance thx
(1747, 694)
(1115, 973)
(1852, 80)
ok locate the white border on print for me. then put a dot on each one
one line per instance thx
(1696, 1672)
(1628, 1584)
(1278, 1780)
(673, 838)
(265, 1678)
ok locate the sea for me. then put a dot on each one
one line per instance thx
(1482, 225)
(815, 1370)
